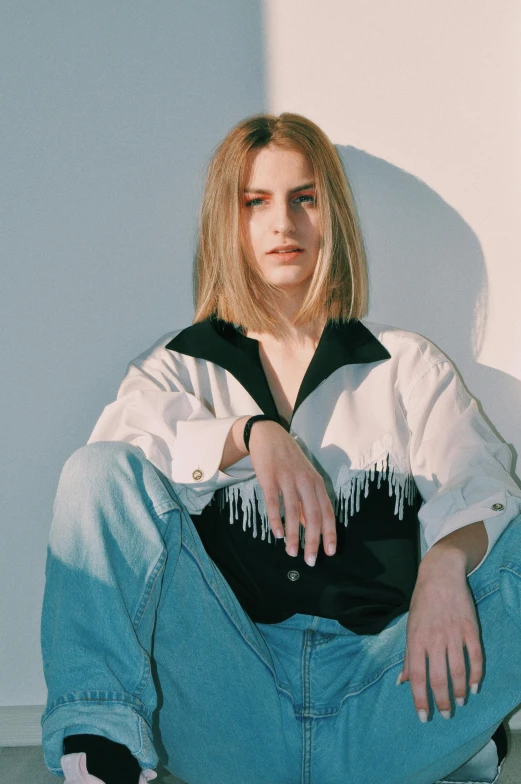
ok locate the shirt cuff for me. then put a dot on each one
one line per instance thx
(198, 452)
(496, 512)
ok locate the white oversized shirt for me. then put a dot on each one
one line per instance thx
(379, 409)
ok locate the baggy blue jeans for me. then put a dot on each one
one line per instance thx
(144, 642)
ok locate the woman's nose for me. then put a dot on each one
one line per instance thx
(282, 219)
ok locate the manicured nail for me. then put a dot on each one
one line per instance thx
(292, 550)
(331, 549)
(310, 560)
(445, 714)
(460, 701)
(279, 533)
(474, 688)
(399, 679)
(422, 715)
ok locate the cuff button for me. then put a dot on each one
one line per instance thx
(498, 507)
(197, 474)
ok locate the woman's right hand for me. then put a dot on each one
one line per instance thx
(282, 467)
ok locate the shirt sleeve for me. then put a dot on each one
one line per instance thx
(460, 467)
(176, 431)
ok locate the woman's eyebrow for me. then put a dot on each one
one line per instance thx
(293, 190)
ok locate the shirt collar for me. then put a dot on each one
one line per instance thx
(220, 342)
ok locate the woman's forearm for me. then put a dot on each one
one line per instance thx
(468, 545)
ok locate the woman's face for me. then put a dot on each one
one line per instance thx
(279, 209)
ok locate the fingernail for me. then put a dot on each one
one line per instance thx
(399, 678)
(331, 549)
(310, 560)
(279, 534)
(292, 550)
(474, 688)
(422, 715)
(460, 701)
(445, 714)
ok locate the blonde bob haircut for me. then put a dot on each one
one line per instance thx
(226, 279)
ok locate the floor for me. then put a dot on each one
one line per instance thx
(24, 765)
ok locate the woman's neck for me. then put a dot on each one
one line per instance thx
(301, 338)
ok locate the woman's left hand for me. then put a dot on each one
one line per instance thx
(442, 620)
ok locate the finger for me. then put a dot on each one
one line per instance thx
(329, 535)
(458, 674)
(272, 502)
(313, 518)
(291, 516)
(418, 679)
(439, 679)
(475, 652)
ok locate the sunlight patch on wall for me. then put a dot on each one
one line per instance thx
(431, 88)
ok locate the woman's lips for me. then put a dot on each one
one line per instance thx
(288, 255)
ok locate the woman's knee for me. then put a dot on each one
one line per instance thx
(113, 471)
(98, 461)
(105, 485)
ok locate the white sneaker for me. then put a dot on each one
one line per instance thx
(75, 769)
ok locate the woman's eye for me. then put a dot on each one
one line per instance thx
(252, 201)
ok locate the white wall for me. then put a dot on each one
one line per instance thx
(422, 100)
(110, 112)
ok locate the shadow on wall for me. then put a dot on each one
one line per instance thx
(427, 274)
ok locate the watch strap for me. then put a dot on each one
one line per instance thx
(248, 426)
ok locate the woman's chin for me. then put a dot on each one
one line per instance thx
(288, 278)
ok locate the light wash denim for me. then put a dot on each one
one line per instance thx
(144, 642)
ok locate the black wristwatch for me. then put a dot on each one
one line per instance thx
(248, 426)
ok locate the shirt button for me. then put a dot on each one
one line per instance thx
(293, 575)
(197, 474)
(498, 507)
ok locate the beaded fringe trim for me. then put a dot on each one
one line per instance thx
(350, 485)
(349, 488)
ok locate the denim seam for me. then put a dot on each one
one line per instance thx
(369, 682)
(157, 571)
(136, 621)
(510, 566)
(326, 640)
(159, 511)
(170, 555)
(307, 708)
(130, 702)
(214, 590)
(487, 590)
(145, 676)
